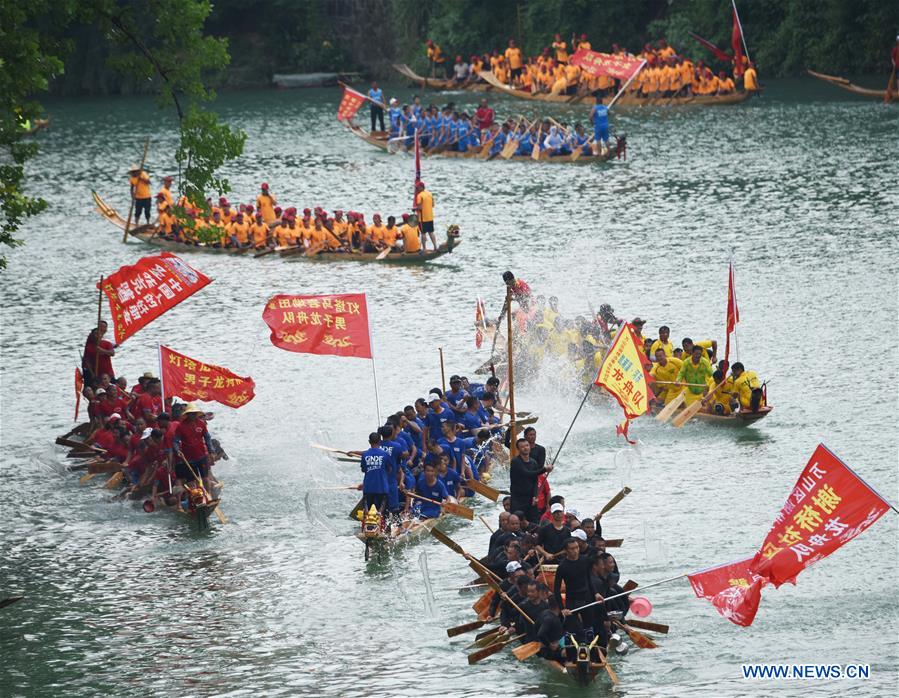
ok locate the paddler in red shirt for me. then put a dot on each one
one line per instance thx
(149, 403)
(192, 443)
(107, 351)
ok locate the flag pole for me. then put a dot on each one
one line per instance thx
(733, 285)
(627, 84)
(442, 372)
(565, 438)
(374, 373)
(97, 335)
(513, 429)
(742, 35)
(161, 380)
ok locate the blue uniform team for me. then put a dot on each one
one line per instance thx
(431, 449)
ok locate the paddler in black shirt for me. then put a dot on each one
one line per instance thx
(574, 571)
(523, 474)
(538, 452)
(555, 534)
(550, 631)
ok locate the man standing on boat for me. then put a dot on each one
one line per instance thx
(140, 192)
(265, 204)
(374, 483)
(523, 474)
(424, 207)
(375, 104)
(92, 346)
(484, 116)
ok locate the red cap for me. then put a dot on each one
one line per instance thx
(405, 216)
(419, 184)
(377, 215)
(338, 212)
(277, 210)
(583, 36)
(258, 214)
(168, 178)
(223, 201)
(249, 208)
(265, 185)
(306, 211)
(160, 195)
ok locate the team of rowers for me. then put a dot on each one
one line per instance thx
(263, 224)
(693, 368)
(666, 73)
(432, 448)
(165, 448)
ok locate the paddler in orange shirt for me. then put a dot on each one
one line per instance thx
(391, 232)
(411, 236)
(240, 231)
(725, 84)
(375, 233)
(166, 190)
(561, 49)
(140, 192)
(265, 204)
(259, 230)
(282, 233)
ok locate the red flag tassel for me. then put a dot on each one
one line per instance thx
(621, 430)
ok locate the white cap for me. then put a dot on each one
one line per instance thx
(433, 396)
(580, 534)
(556, 507)
(146, 433)
(513, 566)
(114, 415)
(393, 100)
(101, 391)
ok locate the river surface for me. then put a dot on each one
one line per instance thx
(799, 187)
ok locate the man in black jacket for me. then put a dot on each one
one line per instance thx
(523, 474)
(538, 452)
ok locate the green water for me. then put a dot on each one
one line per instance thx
(799, 186)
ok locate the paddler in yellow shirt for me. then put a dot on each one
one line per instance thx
(709, 346)
(665, 371)
(239, 231)
(375, 234)
(411, 237)
(391, 232)
(695, 372)
(751, 79)
(725, 400)
(662, 343)
(166, 191)
(259, 231)
(140, 192)
(747, 387)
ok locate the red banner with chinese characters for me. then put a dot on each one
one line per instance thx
(829, 506)
(733, 589)
(623, 373)
(350, 104)
(595, 63)
(333, 324)
(140, 293)
(190, 379)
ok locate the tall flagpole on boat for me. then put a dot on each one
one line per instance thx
(97, 335)
(513, 428)
(161, 380)
(374, 373)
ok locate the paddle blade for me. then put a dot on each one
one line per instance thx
(630, 585)
(383, 254)
(114, 481)
(614, 542)
(613, 677)
(482, 489)
(526, 651)
(464, 628)
(482, 635)
(219, 515)
(639, 639)
(647, 625)
(670, 409)
(482, 605)
(448, 542)
(83, 480)
(686, 415)
(625, 491)
(459, 510)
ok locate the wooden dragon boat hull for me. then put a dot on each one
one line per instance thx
(844, 84)
(737, 419)
(627, 100)
(439, 83)
(380, 140)
(147, 233)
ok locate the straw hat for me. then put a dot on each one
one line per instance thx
(134, 168)
(192, 407)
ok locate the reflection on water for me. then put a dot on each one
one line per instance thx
(796, 185)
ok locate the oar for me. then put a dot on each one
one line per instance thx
(625, 491)
(449, 507)
(613, 677)
(670, 408)
(614, 542)
(526, 651)
(465, 627)
(646, 625)
(689, 412)
(355, 488)
(83, 480)
(482, 488)
(10, 600)
(131, 208)
(691, 385)
(114, 481)
(447, 541)
(476, 657)
(625, 593)
(638, 638)
(630, 585)
(486, 638)
(315, 249)
(484, 521)
(330, 449)
(383, 254)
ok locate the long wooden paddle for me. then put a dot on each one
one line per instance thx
(689, 412)
(383, 253)
(646, 625)
(630, 585)
(489, 651)
(465, 627)
(625, 491)
(670, 408)
(447, 541)
(10, 600)
(449, 507)
(131, 207)
(114, 481)
(481, 488)
(330, 449)
(638, 638)
(83, 480)
(478, 567)
(526, 650)
(613, 677)
(614, 542)
(486, 638)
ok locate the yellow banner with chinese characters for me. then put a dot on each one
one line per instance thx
(623, 373)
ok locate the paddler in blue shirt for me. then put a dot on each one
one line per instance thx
(374, 463)
(525, 141)
(599, 115)
(448, 476)
(429, 486)
(579, 140)
(463, 131)
(394, 114)
(454, 447)
(499, 142)
(456, 395)
(437, 415)
(393, 469)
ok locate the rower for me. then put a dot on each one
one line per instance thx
(412, 236)
(437, 415)
(751, 78)
(428, 485)
(259, 231)
(139, 182)
(552, 537)
(662, 343)
(574, 572)
(726, 398)
(193, 444)
(523, 474)
(166, 190)
(746, 385)
(374, 462)
(695, 372)
(424, 206)
(449, 476)
(665, 371)
(265, 204)
(709, 346)
(395, 474)
(97, 345)
(551, 631)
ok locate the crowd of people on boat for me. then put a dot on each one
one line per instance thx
(693, 368)
(262, 224)
(666, 74)
(432, 448)
(164, 448)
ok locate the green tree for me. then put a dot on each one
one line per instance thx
(160, 41)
